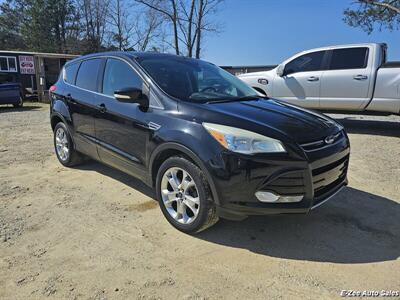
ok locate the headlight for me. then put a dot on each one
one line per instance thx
(243, 141)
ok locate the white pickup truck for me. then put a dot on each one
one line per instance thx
(337, 78)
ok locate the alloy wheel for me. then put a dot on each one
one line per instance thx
(62, 145)
(180, 195)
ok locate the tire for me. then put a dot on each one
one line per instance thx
(197, 186)
(72, 157)
(20, 103)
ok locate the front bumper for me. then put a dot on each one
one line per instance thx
(318, 177)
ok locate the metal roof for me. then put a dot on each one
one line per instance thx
(41, 54)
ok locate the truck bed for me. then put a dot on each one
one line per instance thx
(386, 95)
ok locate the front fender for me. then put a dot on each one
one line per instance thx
(197, 150)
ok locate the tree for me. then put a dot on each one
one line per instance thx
(10, 25)
(94, 21)
(147, 31)
(204, 24)
(118, 19)
(37, 25)
(167, 8)
(189, 20)
(385, 13)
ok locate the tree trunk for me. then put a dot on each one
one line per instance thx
(198, 28)
(175, 25)
(190, 26)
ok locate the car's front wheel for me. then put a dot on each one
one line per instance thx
(184, 196)
(65, 151)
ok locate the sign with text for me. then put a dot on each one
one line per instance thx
(26, 64)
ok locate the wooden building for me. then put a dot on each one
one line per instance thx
(36, 72)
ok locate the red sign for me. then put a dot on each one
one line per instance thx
(26, 64)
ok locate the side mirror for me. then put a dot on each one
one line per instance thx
(280, 71)
(132, 95)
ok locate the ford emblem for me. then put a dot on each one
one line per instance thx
(329, 139)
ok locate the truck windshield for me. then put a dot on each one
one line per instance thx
(195, 80)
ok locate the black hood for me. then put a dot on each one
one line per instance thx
(296, 123)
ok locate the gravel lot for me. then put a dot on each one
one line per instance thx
(94, 233)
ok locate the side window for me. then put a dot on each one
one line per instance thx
(307, 62)
(350, 58)
(70, 73)
(119, 75)
(87, 74)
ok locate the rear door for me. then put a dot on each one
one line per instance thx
(346, 83)
(301, 81)
(81, 95)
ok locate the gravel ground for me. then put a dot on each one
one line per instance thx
(95, 233)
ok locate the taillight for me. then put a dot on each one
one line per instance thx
(53, 88)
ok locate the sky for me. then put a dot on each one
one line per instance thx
(263, 32)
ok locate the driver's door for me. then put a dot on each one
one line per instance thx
(301, 81)
(121, 129)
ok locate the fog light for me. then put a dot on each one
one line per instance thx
(269, 197)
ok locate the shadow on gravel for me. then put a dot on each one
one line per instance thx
(6, 109)
(354, 227)
(384, 128)
(119, 176)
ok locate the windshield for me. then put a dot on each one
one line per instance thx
(195, 80)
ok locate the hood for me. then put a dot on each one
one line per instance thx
(298, 124)
(258, 74)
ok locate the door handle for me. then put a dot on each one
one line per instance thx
(102, 108)
(360, 77)
(312, 78)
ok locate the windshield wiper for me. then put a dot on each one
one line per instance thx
(233, 99)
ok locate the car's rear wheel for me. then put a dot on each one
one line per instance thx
(184, 196)
(65, 151)
(20, 103)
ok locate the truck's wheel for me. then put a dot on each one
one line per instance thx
(20, 103)
(65, 151)
(184, 196)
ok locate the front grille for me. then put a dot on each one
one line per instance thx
(320, 144)
(328, 177)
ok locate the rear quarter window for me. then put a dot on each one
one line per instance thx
(87, 74)
(70, 72)
(350, 58)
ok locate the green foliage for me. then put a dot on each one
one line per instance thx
(37, 25)
(10, 26)
(369, 13)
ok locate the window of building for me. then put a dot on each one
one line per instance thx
(8, 64)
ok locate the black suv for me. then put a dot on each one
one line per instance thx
(209, 144)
